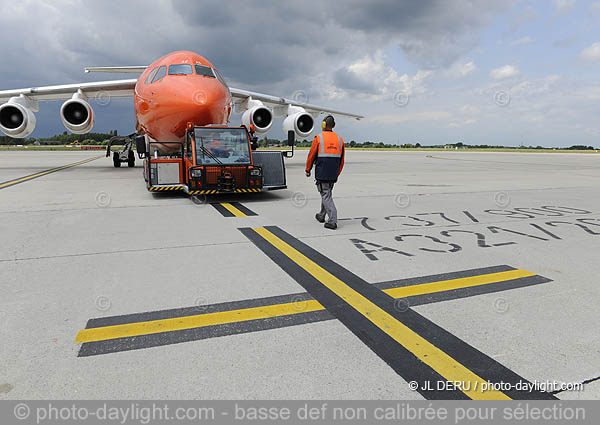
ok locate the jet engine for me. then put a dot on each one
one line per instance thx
(299, 121)
(259, 115)
(17, 118)
(77, 114)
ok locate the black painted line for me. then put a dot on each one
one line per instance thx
(243, 209)
(24, 179)
(303, 296)
(224, 211)
(549, 233)
(473, 219)
(392, 352)
(395, 355)
(443, 276)
(196, 334)
(300, 318)
(196, 310)
(472, 291)
(165, 338)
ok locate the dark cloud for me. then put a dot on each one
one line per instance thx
(272, 46)
(347, 80)
(211, 14)
(433, 33)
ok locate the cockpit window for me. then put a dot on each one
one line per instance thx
(181, 69)
(204, 71)
(151, 75)
(162, 71)
(220, 77)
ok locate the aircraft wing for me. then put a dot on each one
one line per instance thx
(279, 104)
(118, 69)
(125, 88)
(116, 88)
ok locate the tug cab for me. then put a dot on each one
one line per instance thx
(212, 160)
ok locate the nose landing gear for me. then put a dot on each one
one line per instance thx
(124, 155)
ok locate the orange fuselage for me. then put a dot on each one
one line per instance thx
(165, 106)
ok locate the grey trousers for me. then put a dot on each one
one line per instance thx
(327, 204)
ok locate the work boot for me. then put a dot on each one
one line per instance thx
(320, 218)
(331, 226)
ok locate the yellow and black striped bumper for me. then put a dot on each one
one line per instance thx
(164, 188)
(215, 191)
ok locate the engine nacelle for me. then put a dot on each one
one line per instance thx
(77, 115)
(259, 115)
(17, 118)
(299, 121)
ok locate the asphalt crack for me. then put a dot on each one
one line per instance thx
(587, 381)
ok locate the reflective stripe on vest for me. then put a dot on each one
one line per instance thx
(322, 152)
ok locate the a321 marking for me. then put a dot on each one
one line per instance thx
(435, 244)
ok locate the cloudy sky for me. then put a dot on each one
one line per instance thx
(431, 71)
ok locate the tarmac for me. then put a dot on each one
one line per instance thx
(447, 267)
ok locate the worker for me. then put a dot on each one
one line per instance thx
(327, 153)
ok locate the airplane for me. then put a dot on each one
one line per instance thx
(178, 90)
(182, 109)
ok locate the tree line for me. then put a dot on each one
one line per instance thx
(102, 139)
(62, 139)
(265, 142)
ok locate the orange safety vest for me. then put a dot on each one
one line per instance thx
(330, 145)
(329, 156)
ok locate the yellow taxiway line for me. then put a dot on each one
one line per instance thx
(233, 210)
(43, 173)
(425, 351)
